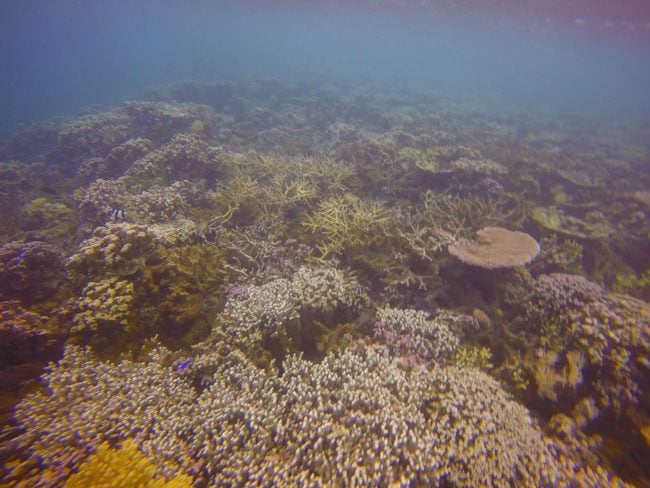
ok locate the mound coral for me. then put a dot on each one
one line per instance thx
(30, 271)
(607, 334)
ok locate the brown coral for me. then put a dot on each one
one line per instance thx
(496, 247)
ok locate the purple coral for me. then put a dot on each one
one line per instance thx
(560, 291)
(30, 271)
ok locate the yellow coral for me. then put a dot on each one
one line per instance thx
(105, 301)
(125, 467)
(345, 222)
(473, 357)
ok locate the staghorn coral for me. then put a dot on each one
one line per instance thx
(102, 304)
(342, 223)
(325, 175)
(125, 467)
(495, 247)
(239, 198)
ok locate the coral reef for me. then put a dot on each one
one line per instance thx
(25, 335)
(603, 346)
(247, 428)
(87, 403)
(343, 223)
(593, 226)
(184, 155)
(285, 242)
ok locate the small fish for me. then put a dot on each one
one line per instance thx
(23, 255)
(262, 231)
(385, 189)
(184, 365)
(358, 290)
(117, 215)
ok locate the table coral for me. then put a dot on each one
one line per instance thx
(495, 247)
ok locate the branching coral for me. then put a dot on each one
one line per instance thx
(126, 467)
(114, 249)
(327, 290)
(414, 336)
(182, 157)
(104, 303)
(267, 308)
(88, 402)
(24, 335)
(342, 223)
(241, 194)
(117, 161)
